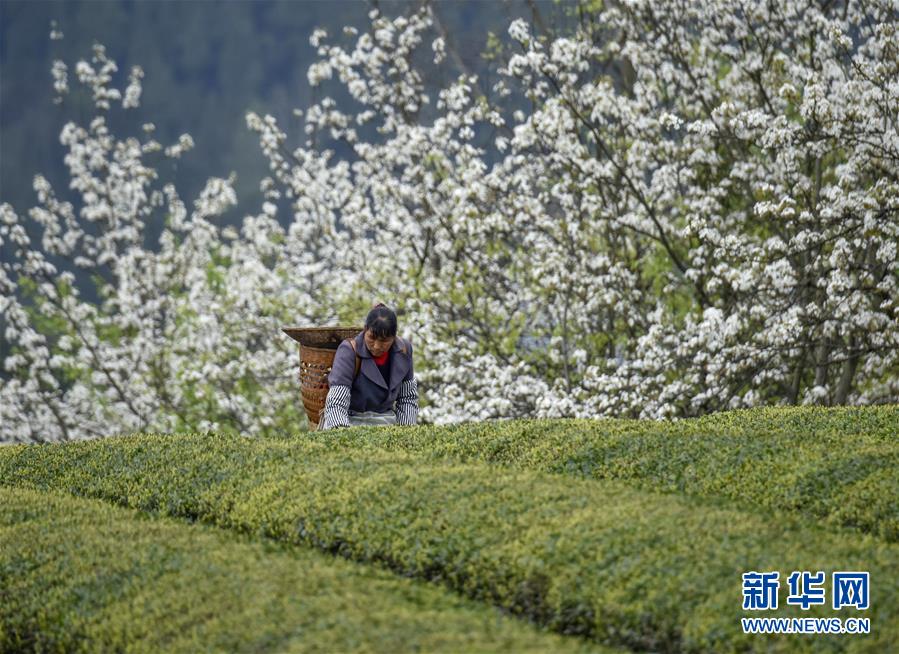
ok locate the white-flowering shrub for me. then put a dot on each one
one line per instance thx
(676, 209)
(186, 335)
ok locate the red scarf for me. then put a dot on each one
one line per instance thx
(381, 360)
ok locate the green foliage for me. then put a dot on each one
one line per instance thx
(349, 311)
(657, 268)
(48, 321)
(834, 465)
(43, 319)
(621, 563)
(494, 49)
(81, 576)
(112, 333)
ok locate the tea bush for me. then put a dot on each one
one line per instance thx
(80, 575)
(839, 466)
(600, 558)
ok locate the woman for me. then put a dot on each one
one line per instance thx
(371, 380)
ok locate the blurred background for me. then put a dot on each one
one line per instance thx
(206, 63)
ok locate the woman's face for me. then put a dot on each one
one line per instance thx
(377, 346)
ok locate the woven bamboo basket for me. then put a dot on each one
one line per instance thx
(317, 348)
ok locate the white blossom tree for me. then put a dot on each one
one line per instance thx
(182, 337)
(677, 208)
(698, 212)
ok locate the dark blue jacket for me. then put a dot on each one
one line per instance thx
(369, 392)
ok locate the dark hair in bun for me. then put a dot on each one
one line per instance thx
(381, 321)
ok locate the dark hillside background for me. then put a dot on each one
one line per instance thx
(205, 63)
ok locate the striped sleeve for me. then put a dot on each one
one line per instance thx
(337, 407)
(407, 403)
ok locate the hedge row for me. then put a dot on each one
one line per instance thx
(81, 575)
(619, 565)
(839, 466)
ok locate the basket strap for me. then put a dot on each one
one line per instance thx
(358, 359)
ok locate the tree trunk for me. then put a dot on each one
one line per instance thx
(847, 374)
(793, 396)
(822, 364)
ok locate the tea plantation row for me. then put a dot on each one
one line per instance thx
(616, 564)
(839, 466)
(170, 587)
